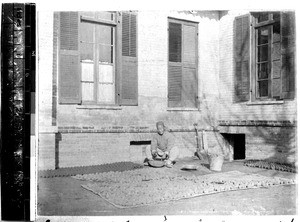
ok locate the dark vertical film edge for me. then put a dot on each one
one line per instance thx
(17, 102)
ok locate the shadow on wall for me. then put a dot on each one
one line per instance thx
(269, 142)
(274, 143)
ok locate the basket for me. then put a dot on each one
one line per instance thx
(156, 163)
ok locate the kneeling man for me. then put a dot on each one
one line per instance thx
(162, 146)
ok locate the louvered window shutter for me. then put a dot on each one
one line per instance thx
(189, 74)
(241, 44)
(276, 60)
(175, 65)
(288, 54)
(69, 59)
(182, 70)
(129, 72)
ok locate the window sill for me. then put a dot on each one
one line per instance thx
(93, 107)
(182, 109)
(264, 103)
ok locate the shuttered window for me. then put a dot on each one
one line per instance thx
(288, 51)
(182, 66)
(272, 74)
(69, 57)
(98, 58)
(274, 55)
(242, 58)
(129, 87)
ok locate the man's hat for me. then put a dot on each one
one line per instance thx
(160, 123)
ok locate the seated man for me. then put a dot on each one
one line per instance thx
(162, 146)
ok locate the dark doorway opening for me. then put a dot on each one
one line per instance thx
(238, 144)
(145, 142)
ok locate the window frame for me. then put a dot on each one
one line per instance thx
(255, 25)
(116, 58)
(68, 62)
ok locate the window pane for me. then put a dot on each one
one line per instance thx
(104, 34)
(87, 32)
(276, 16)
(174, 42)
(263, 16)
(86, 52)
(106, 93)
(276, 69)
(276, 84)
(262, 71)
(263, 35)
(276, 32)
(276, 51)
(106, 74)
(262, 54)
(87, 91)
(105, 54)
(263, 88)
(87, 72)
(106, 16)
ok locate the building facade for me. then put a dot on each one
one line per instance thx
(106, 78)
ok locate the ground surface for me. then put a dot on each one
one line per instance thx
(64, 196)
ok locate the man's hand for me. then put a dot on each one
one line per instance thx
(154, 154)
(165, 155)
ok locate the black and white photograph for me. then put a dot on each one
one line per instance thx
(151, 113)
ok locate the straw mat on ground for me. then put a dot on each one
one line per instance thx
(153, 186)
(72, 171)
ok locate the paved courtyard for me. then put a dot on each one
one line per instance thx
(64, 196)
